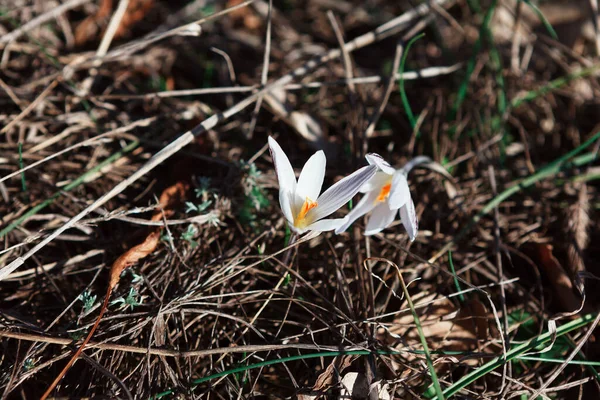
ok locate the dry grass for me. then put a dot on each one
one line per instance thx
(89, 101)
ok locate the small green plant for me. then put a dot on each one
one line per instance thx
(204, 187)
(255, 198)
(131, 300)
(166, 237)
(191, 207)
(88, 300)
(204, 193)
(28, 364)
(135, 278)
(189, 235)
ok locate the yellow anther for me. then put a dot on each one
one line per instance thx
(384, 193)
(306, 207)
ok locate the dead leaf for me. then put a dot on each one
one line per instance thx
(354, 386)
(243, 16)
(444, 326)
(168, 198)
(328, 377)
(560, 281)
(136, 11)
(379, 391)
(90, 28)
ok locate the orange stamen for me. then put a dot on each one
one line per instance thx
(306, 207)
(384, 193)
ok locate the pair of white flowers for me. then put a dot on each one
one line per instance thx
(304, 207)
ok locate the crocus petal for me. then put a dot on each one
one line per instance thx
(375, 183)
(409, 219)
(285, 172)
(311, 177)
(286, 205)
(381, 218)
(340, 193)
(415, 162)
(399, 192)
(376, 159)
(326, 225)
(366, 204)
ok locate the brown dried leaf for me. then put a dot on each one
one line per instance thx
(136, 11)
(132, 256)
(560, 281)
(379, 391)
(90, 27)
(243, 16)
(337, 366)
(354, 386)
(445, 326)
(169, 197)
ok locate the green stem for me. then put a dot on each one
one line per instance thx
(21, 166)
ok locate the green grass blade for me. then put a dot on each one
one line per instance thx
(434, 378)
(21, 166)
(542, 18)
(553, 85)
(405, 103)
(560, 361)
(265, 364)
(456, 283)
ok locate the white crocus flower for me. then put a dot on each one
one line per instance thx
(386, 193)
(302, 206)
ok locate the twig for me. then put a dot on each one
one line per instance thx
(265, 70)
(80, 349)
(345, 54)
(356, 149)
(166, 352)
(286, 259)
(429, 72)
(388, 91)
(11, 94)
(596, 22)
(190, 29)
(111, 30)
(516, 39)
(506, 368)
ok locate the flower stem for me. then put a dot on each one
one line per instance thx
(288, 253)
